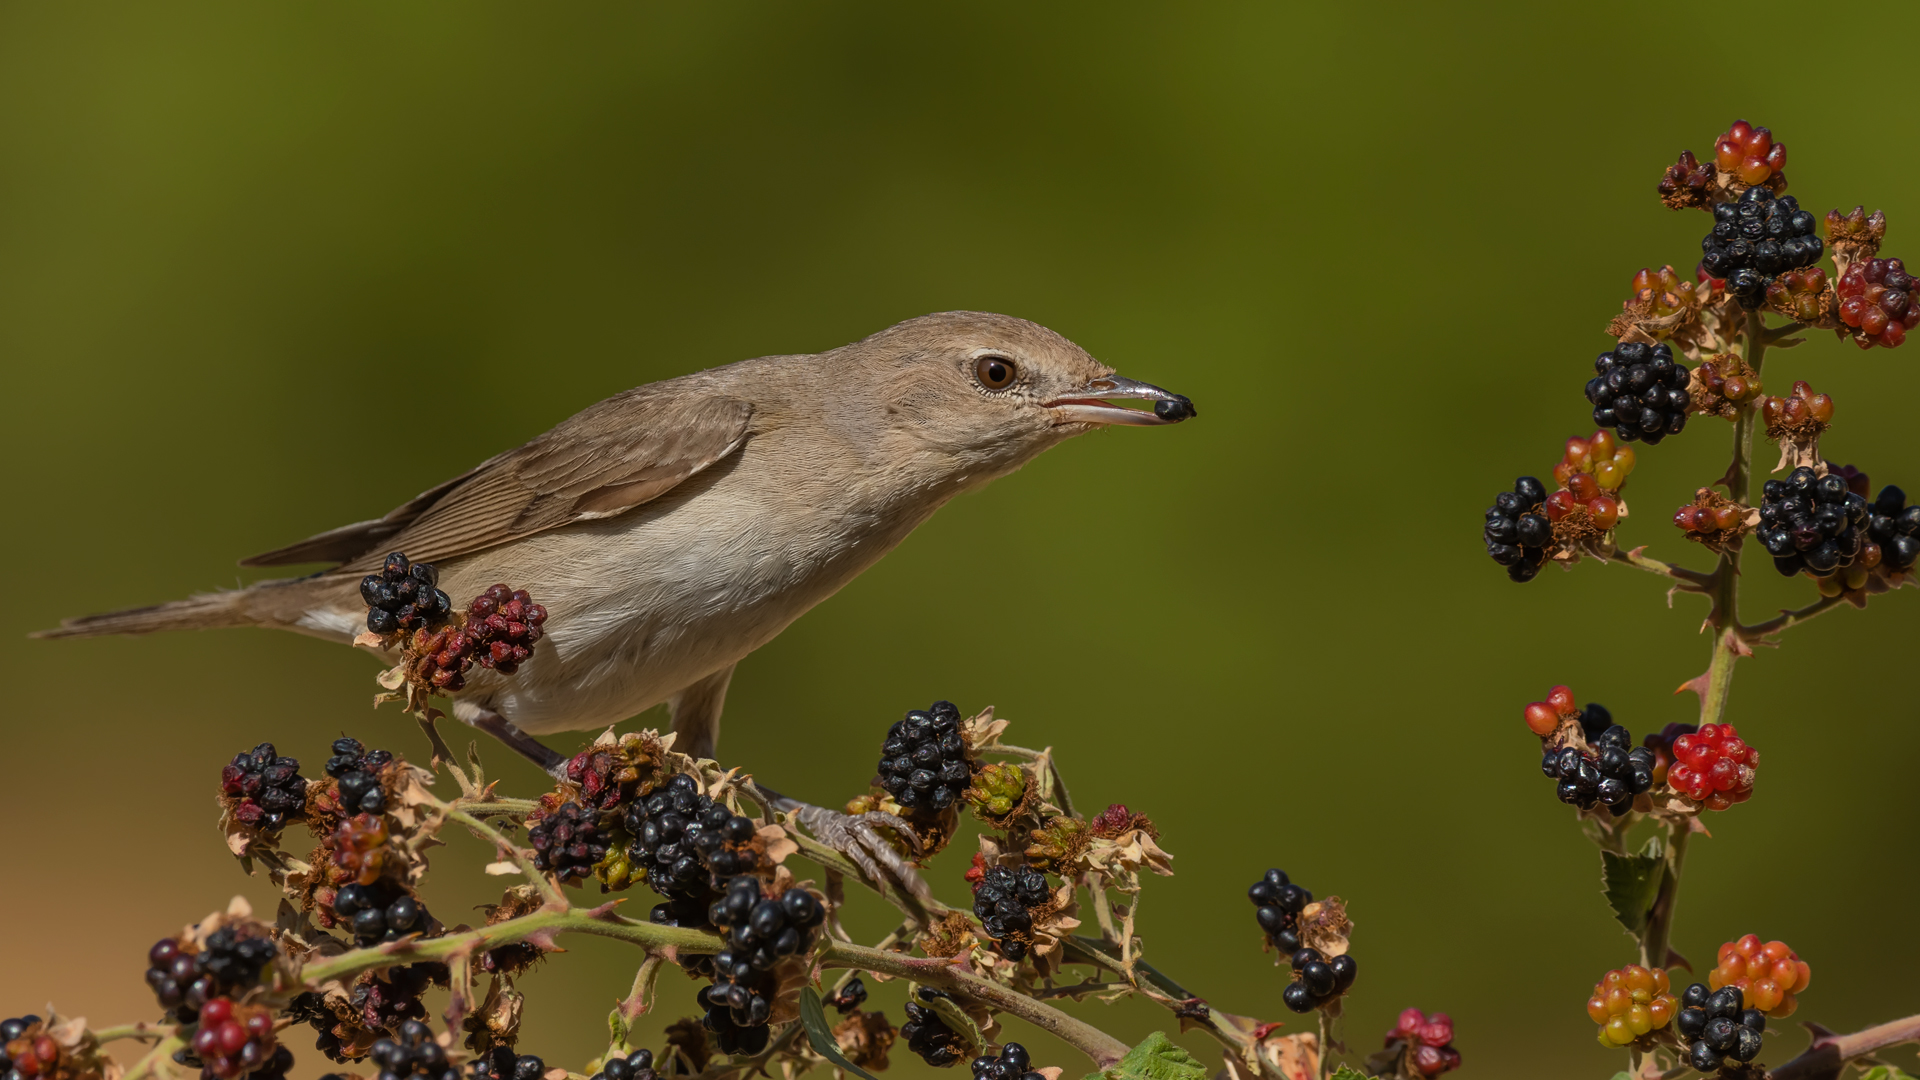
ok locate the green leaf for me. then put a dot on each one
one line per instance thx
(1156, 1058)
(1885, 1072)
(813, 1017)
(1348, 1072)
(1623, 1075)
(1633, 882)
(952, 1015)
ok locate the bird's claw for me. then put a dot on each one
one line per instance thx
(854, 836)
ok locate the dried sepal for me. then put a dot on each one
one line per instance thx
(687, 1048)
(514, 957)
(864, 1039)
(1722, 385)
(496, 1021)
(1715, 521)
(1660, 306)
(1854, 237)
(1796, 422)
(950, 935)
(1324, 925)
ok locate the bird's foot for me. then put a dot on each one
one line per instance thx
(857, 837)
(550, 761)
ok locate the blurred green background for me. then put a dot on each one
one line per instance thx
(265, 269)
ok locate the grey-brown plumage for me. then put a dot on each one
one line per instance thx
(672, 529)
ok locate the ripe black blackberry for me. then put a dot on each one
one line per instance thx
(761, 931)
(276, 1068)
(1278, 902)
(184, 981)
(266, 788)
(403, 596)
(1517, 531)
(1757, 239)
(1718, 1025)
(1639, 392)
(684, 844)
(569, 842)
(1317, 979)
(1594, 721)
(923, 763)
(635, 1066)
(929, 1036)
(10, 1030)
(1610, 773)
(1012, 1063)
(1812, 523)
(503, 1064)
(356, 772)
(1004, 903)
(412, 1052)
(1895, 526)
(849, 997)
(381, 912)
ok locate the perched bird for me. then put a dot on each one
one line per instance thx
(672, 529)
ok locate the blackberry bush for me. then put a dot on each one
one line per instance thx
(924, 763)
(404, 596)
(1517, 532)
(264, 789)
(1639, 392)
(1004, 902)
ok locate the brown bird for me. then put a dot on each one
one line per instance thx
(672, 529)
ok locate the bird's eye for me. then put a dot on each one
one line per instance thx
(994, 372)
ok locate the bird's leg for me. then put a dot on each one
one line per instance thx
(853, 835)
(550, 761)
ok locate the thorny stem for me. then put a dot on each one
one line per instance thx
(1692, 580)
(549, 892)
(1786, 620)
(156, 1060)
(1829, 1053)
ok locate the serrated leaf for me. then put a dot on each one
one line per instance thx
(1632, 882)
(813, 1017)
(1347, 1072)
(1156, 1058)
(1885, 1072)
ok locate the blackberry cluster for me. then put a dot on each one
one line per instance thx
(1714, 766)
(1687, 182)
(1012, 1063)
(185, 981)
(1004, 903)
(1769, 976)
(635, 1066)
(1718, 1025)
(356, 773)
(311, 1009)
(234, 1040)
(569, 842)
(412, 1052)
(1639, 392)
(760, 933)
(929, 1036)
(10, 1030)
(1278, 903)
(1799, 294)
(1895, 528)
(403, 596)
(1517, 532)
(381, 912)
(923, 763)
(502, 626)
(1629, 1002)
(504, 1064)
(1749, 153)
(393, 997)
(1317, 979)
(266, 788)
(1543, 717)
(683, 842)
(849, 997)
(1812, 523)
(1876, 301)
(1756, 240)
(1595, 719)
(1661, 293)
(1610, 774)
(1431, 1037)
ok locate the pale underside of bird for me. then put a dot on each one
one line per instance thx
(673, 529)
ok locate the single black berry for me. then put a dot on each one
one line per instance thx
(381, 912)
(1640, 392)
(1895, 526)
(924, 763)
(849, 997)
(503, 1064)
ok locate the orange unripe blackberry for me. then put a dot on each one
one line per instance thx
(1629, 1002)
(1769, 975)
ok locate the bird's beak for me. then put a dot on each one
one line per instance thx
(1094, 403)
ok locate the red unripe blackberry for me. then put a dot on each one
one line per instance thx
(504, 624)
(404, 596)
(1687, 182)
(266, 789)
(1749, 153)
(1430, 1039)
(1876, 301)
(234, 1040)
(1713, 766)
(1768, 974)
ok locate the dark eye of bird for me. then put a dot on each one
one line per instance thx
(994, 372)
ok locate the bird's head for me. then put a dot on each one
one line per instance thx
(989, 392)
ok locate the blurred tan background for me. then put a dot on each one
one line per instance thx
(269, 269)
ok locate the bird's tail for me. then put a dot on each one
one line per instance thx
(203, 612)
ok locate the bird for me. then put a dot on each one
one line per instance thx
(674, 528)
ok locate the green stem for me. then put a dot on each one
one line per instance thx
(1655, 942)
(140, 1030)
(1786, 620)
(549, 892)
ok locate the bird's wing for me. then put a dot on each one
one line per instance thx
(614, 456)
